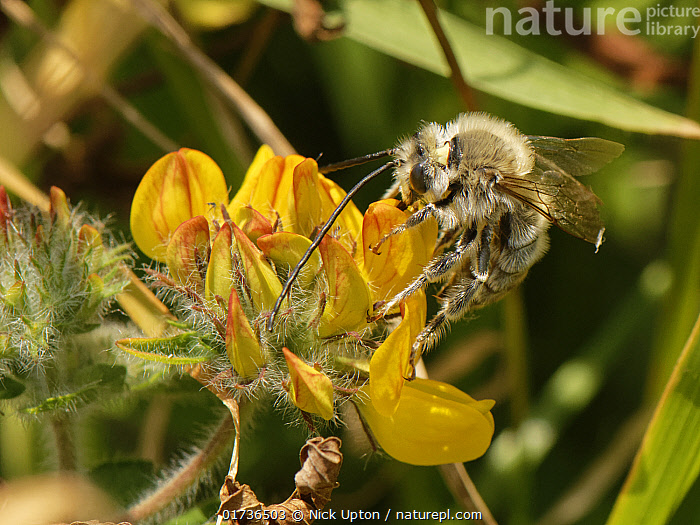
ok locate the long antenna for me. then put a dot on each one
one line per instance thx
(322, 233)
(328, 168)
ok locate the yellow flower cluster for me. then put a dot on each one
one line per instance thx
(230, 258)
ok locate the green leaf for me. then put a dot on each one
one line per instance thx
(668, 462)
(683, 255)
(181, 349)
(493, 64)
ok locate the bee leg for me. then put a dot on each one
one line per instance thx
(460, 296)
(414, 220)
(438, 268)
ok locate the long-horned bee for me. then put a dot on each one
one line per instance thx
(494, 193)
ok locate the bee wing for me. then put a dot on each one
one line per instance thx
(574, 156)
(561, 199)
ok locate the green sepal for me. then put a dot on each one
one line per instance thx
(181, 349)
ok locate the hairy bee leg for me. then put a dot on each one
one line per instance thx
(459, 302)
(414, 220)
(524, 242)
(437, 268)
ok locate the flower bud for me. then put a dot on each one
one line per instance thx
(349, 300)
(261, 279)
(188, 253)
(219, 278)
(309, 389)
(242, 347)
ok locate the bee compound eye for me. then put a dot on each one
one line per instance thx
(417, 178)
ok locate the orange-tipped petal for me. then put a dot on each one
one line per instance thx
(434, 424)
(242, 346)
(261, 279)
(390, 363)
(304, 202)
(58, 207)
(187, 253)
(348, 301)
(177, 187)
(309, 389)
(402, 257)
(219, 279)
(285, 248)
(284, 190)
(89, 239)
(252, 222)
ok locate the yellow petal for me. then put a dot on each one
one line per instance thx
(242, 346)
(402, 257)
(390, 363)
(304, 202)
(251, 180)
(350, 219)
(260, 278)
(187, 253)
(177, 187)
(309, 389)
(263, 194)
(281, 201)
(348, 301)
(285, 248)
(434, 423)
(219, 278)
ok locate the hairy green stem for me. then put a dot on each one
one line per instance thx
(185, 476)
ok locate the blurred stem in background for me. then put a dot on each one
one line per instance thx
(52, 82)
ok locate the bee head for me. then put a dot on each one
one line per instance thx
(422, 163)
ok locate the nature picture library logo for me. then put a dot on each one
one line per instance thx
(658, 20)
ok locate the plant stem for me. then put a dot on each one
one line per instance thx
(185, 476)
(464, 490)
(65, 447)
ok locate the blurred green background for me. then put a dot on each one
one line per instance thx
(575, 359)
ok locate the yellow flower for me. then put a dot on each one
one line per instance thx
(390, 363)
(291, 192)
(434, 423)
(227, 270)
(178, 187)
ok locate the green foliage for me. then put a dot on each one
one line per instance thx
(57, 278)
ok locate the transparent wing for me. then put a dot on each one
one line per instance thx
(574, 156)
(561, 199)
